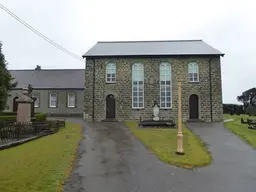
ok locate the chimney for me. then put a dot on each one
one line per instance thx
(38, 67)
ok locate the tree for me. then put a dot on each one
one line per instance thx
(248, 97)
(6, 79)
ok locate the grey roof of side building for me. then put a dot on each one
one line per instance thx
(151, 48)
(50, 78)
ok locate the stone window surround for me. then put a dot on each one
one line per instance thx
(165, 85)
(111, 71)
(139, 85)
(193, 69)
(68, 100)
(37, 100)
(50, 97)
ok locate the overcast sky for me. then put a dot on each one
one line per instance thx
(78, 24)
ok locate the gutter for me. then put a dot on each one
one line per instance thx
(145, 55)
(210, 82)
(93, 91)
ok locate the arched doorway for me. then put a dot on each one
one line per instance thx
(193, 107)
(110, 107)
(14, 104)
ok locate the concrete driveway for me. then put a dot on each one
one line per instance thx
(234, 161)
(112, 160)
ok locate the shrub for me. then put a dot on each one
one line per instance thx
(250, 110)
(11, 116)
(8, 113)
(8, 118)
(13, 113)
(40, 116)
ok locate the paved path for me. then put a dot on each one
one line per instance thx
(234, 161)
(112, 160)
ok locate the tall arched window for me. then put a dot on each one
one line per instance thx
(137, 86)
(193, 74)
(111, 73)
(165, 85)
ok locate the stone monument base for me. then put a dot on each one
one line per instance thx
(160, 123)
(156, 118)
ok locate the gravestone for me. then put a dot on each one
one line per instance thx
(24, 107)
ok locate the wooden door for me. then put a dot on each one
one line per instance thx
(110, 107)
(193, 107)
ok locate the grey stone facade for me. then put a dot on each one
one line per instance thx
(122, 89)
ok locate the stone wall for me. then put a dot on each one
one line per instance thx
(122, 89)
(217, 107)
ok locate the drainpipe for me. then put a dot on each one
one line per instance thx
(210, 82)
(84, 90)
(93, 90)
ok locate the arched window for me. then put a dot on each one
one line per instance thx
(111, 73)
(137, 86)
(165, 85)
(193, 74)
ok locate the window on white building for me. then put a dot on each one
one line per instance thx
(71, 100)
(53, 100)
(137, 86)
(165, 86)
(36, 103)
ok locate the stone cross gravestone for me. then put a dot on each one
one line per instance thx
(24, 107)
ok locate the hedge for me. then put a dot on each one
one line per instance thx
(11, 116)
(238, 109)
(233, 109)
(250, 110)
(8, 113)
(40, 116)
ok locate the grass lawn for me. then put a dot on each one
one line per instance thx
(40, 165)
(163, 142)
(241, 130)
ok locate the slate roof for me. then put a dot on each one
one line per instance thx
(50, 78)
(151, 48)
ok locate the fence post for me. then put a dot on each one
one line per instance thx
(35, 127)
(18, 130)
(57, 124)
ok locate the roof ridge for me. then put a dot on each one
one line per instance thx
(149, 41)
